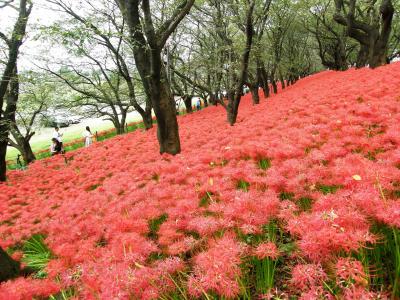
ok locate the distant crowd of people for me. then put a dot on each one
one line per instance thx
(57, 146)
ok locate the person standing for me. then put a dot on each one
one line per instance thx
(198, 105)
(87, 134)
(58, 136)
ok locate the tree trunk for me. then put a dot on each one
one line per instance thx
(187, 99)
(119, 126)
(165, 111)
(147, 120)
(254, 93)
(26, 151)
(373, 38)
(340, 56)
(232, 108)
(362, 57)
(282, 81)
(235, 95)
(123, 121)
(3, 152)
(214, 98)
(205, 101)
(9, 268)
(22, 143)
(28, 154)
(265, 83)
(274, 86)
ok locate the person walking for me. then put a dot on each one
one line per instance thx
(87, 134)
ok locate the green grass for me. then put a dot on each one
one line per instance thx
(328, 189)
(68, 137)
(243, 185)
(154, 226)
(66, 294)
(36, 255)
(381, 260)
(264, 163)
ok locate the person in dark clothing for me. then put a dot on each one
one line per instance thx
(56, 147)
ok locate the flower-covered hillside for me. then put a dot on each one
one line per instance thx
(299, 198)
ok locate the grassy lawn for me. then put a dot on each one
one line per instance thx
(44, 142)
(72, 133)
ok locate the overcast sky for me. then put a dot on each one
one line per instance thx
(31, 50)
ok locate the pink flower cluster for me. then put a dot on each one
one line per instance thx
(332, 139)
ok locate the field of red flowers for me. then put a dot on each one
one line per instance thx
(299, 199)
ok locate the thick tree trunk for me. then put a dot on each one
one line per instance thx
(372, 37)
(340, 56)
(265, 83)
(235, 94)
(205, 101)
(28, 154)
(187, 99)
(254, 93)
(147, 120)
(282, 80)
(274, 86)
(123, 122)
(119, 126)
(3, 165)
(26, 151)
(22, 143)
(362, 57)
(9, 268)
(214, 98)
(145, 114)
(232, 107)
(167, 124)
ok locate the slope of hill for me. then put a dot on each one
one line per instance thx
(304, 187)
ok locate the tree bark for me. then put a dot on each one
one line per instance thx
(148, 119)
(187, 99)
(254, 93)
(22, 145)
(3, 152)
(362, 56)
(167, 124)
(147, 44)
(232, 108)
(274, 86)
(10, 70)
(234, 96)
(9, 268)
(373, 37)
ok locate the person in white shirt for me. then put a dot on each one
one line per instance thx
(58, 135)
(87, 134)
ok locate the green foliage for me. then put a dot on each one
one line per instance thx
(328, 189)
(305, 203)
(243, 185)
(36, 255)
(264, 163)
(154, 226)
(206, 199)
(264, 274)
(381, 260)
(286, 195)
(65, 294)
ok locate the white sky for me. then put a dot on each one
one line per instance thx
(31, 50)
